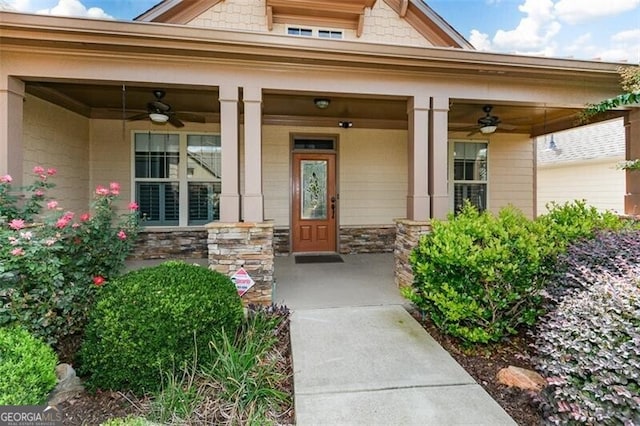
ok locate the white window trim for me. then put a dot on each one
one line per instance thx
(315, 32)
(183, 180)
(450, 172)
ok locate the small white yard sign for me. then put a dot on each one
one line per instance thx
(243, 281)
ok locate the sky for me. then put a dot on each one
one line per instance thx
(607, 30)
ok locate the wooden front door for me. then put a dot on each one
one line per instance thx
(314, 201)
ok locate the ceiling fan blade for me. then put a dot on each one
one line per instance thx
(158, 106)
(175, 121)
(140, 116)
(505, 126)
(195, 118)
(473, 132)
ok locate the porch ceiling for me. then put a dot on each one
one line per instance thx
(109, 101)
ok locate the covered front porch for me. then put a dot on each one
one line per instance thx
(224, 177)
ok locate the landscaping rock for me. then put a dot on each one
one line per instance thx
(68, 386)
(521, 378)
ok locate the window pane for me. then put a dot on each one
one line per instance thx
(157, 155)
(204, 157)
(475, 193)
(159, 202)
(314, 183)
(470, 161)
(204, 202)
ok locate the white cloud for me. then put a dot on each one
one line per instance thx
(75, 8)
(625, 46)
(577, 11)
(534, 32)
(480, 40)
(15, 5)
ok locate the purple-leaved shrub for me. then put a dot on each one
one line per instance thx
(588, 345)
(608, 252)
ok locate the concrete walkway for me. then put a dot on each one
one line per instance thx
(360, 363)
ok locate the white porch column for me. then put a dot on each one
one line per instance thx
(632, 144)
(252, 199)
(11, 119)
(438, 141)
(229, 197)
(418, 202)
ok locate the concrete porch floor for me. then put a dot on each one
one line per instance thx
(362, 280)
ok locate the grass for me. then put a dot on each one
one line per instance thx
(243, 385)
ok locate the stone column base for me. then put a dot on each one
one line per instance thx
(249, 245)
(408, 233)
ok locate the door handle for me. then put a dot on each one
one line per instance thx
(333, 207)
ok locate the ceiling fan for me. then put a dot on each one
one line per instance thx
(158, 111)
(488, 123)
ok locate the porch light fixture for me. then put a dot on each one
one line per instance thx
(487, 130)
(345, 124)
(322, 103)
(158, 117)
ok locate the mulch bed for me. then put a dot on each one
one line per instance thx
(484, 363)
(94, 409)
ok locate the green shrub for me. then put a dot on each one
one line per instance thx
(27, 368)
(479, 276)
(565, 223)
(146, 322)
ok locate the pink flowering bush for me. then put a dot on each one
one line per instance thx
(53, 261)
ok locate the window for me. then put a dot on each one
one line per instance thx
(469, 174)
(173, 170)
(304, 32)
(337, 35)
(313, 32)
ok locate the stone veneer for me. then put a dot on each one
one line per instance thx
(367, 239)
(171, 244)
(281, 245)
(353, 239)
(248, 245)
(408, 233)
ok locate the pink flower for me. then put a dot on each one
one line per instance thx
(17, 251)
(38, 170)
(98, 280)
(39, 193)
(64, 220)
(6, 178)
(85, 217)
(49, 242)
(75, 225)
(133, 206)
(13, 241)
(26, 235)
(51, 171)
(115, 188)
(52, 204)
(122, 235)
(101, 190)
(16, 224)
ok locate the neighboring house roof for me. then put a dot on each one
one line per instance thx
(582, 144)
(332, 13)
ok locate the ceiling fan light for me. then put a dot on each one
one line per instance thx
(322, 103)
(487, 130)
(158, 117)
